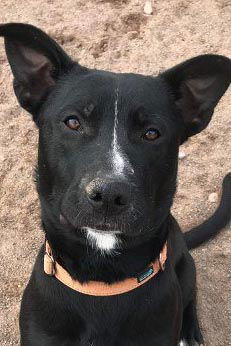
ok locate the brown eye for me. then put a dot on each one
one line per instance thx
(152, 134)
(73, 123)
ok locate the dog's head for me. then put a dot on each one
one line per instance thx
(108, 144)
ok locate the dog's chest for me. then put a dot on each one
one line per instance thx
(134, 318)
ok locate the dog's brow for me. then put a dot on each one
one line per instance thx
(88, 109)
(84, 109)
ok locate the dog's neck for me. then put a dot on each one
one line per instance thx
(85, 264)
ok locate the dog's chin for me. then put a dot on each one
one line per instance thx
(104, 241)
(111, 233)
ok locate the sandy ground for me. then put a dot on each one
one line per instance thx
(116, 35)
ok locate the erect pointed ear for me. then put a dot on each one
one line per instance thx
(36, 62)
(197, 86)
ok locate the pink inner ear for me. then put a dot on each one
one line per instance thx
(201, 88)
(37, 66)
(33, 75)
(43, 73)
(32, 56)
(36, 62)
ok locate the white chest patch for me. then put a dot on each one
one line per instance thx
(105, 242)
(119, 161)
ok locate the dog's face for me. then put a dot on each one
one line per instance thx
(109, 142)
(108, 153)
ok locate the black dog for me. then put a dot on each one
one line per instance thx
(106, 178)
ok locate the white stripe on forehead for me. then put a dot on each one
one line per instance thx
(119, 161)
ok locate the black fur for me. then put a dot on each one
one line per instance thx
(80, 186)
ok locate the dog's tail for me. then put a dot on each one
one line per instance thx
(209, 228)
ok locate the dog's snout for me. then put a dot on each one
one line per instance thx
(112, 195)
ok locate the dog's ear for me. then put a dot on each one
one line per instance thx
(197, 86)
(36, 62)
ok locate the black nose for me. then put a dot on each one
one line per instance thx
(111, 195)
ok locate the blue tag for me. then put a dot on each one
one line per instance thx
(145, 274)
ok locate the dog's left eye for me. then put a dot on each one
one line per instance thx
(73, 123)
(151, 135)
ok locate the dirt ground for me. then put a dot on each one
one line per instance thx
(116, 35)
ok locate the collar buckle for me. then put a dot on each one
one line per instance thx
(49, 262)
(161, 261)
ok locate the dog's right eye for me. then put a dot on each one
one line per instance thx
(73, 123)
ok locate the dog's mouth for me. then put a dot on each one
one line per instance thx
(101, 228)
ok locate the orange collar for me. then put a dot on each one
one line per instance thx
(97, 288)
